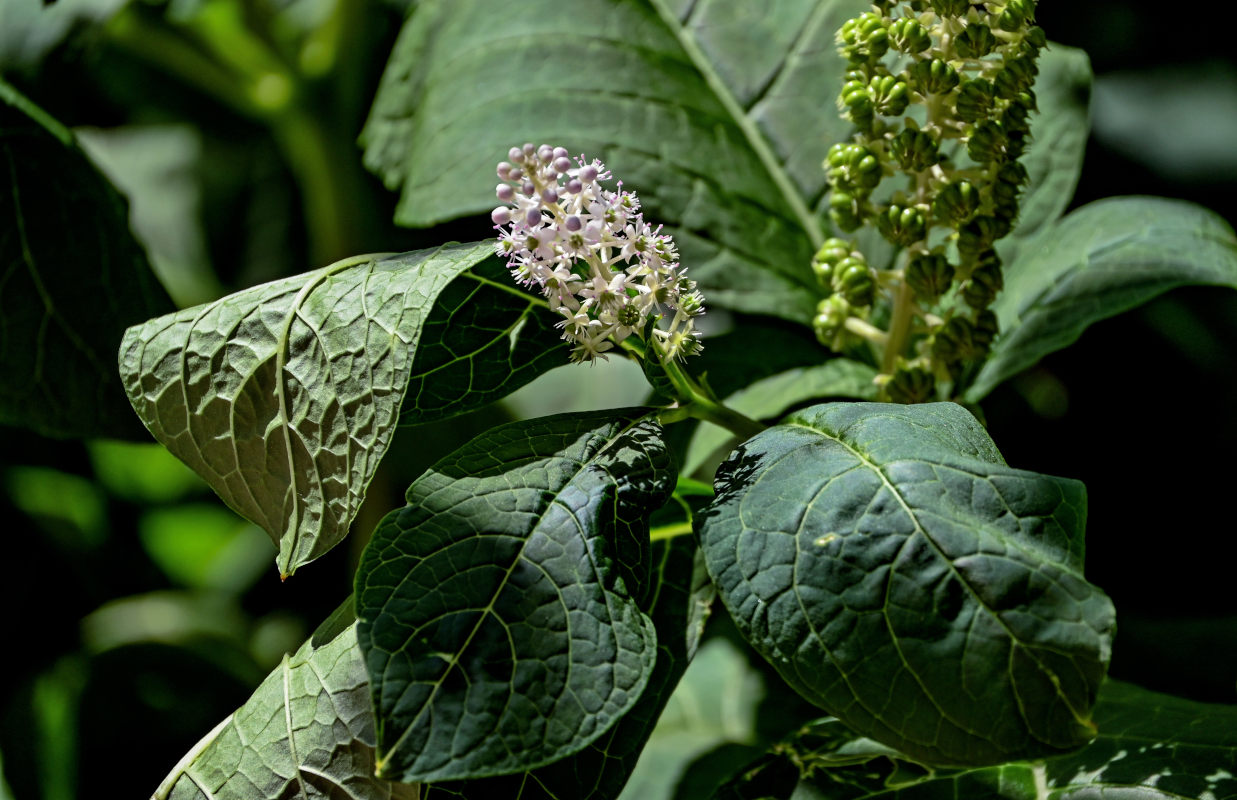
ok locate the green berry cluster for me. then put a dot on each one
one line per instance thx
(940, 92)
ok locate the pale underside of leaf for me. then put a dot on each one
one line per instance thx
(284, 396)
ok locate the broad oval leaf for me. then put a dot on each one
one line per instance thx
(1098, 261)
(500, 610)
(284, 396)
(1150, 747)
(308, 731)
(718, 113)
(898, 574)
(72, 278)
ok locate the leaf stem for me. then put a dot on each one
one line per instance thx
(669, 531)
(700, 403)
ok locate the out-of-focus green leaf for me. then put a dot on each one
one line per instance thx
(718, 114)
(1102, 259)
(143, 473)
(484, 339)
(72, 278)
(598, 772)
(72, 506)
(897, 573)
(56, 699)
(29, 29)
(500, 610)
(171, 617)
(308, 731)
(773, 396)
(1150, 747)
(284, 396)
(205, 546)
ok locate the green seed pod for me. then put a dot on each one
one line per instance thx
(950, 8)
(845, 210)
(929, 276)
(934, 77)
(956, 202)
(1007, 187)
(909, 36)
(854, 168)
(914, 150)
(975, 41)
(1036, 38)
(910, 385)
(988, 143)
(902, 225)
(985, 281)
(827, 257)
(985, 330)
(864, 39)
(830, 321)
(854, 280)
(974, 100)
(1017, 75)
(954, 341)
(890, 94)
(976, 237)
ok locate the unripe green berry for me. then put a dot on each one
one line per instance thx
(956, 202)
(950, 8)
(934, 77)
(854, 280)
(976, 237)
(910, 385)
(827, 257)
(1006, 188)
(929, 276)
(890, 95)
(857, 104)
(988, 142)
(845, 210)
(914, 150)
(1017, 75)
(985, 329)
(909, 36)
(975, 41)
(830, 321)
(902, 225)
(985, 282)
(864, 39)
(1036, 38)
(954, 341)
(853, 167)
(974, 100)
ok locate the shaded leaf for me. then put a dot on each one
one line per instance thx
(284, 396)
(1150, 747)
(1102, 259)
(718, 114)
(484, 339)
(897, 573)
(500, 609)
(308, 731)
(772, 397)
(599, 771)
(72, 278)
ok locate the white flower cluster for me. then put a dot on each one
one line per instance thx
(602, 267)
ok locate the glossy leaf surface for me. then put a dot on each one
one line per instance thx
(1150, 747)
(72, 278)
(308, 731)
(500, 610)
(1100, 260)
(284, 396)
(898, 574)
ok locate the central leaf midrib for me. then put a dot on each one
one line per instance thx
(888, 484)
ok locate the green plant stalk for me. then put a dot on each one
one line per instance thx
(700, 404)
(899, 327)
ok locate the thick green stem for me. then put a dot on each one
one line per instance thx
(699, 403)
(899, 327)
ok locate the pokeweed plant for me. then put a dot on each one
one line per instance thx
(519, 625)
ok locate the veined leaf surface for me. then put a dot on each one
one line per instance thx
(898, 574)
(308, 731)
(284, 396)
(72, 278)
(501, 610)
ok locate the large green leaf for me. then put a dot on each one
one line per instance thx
(1102, 259)
(72, 278)
(599, 771)
(284, 396)
(484, 339)
(1150, 747)
(898, 574)
(500, 610)
(308, 731)
(718, 114)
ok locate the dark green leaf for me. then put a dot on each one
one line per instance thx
(898, 574)
(1105, 258)
(501, 608)
(284, 396)
(308, 731)
(72, 278)
(1150, 747)
(717, 114)
(484, 339)
(599, 771)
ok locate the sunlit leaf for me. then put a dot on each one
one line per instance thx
(897, 573)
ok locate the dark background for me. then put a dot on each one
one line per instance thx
(1140, 409)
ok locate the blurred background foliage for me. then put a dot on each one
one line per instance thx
(141, 611)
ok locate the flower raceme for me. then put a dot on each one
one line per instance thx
(605, 270)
